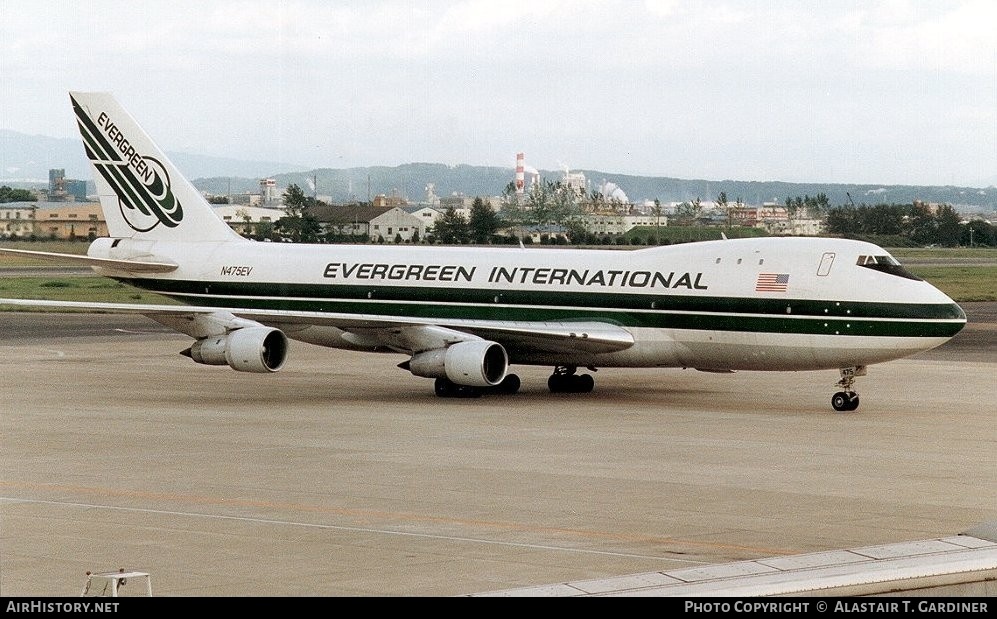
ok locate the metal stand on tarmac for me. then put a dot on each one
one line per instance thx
(107, 584)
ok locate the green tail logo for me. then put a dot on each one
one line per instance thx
(141, 183)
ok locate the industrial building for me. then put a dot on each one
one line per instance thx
(52, 220)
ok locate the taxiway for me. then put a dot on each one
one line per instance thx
(343, 475)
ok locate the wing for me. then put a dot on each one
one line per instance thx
(398, 332)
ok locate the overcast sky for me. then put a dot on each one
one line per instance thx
(889, 92)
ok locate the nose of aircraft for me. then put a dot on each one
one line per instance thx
(960, 314)
(946, 317)
(959, 318)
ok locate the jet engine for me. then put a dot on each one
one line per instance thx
(250, 349)
(476, 363)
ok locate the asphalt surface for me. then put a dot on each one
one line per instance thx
(342, 475)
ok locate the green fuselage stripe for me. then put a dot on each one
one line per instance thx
(663, 311)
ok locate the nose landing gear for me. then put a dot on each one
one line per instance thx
(846, 399)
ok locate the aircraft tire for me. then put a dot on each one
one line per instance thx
(843, 401)
(556, 384)
(571, 383)
(444, 388)
(467, 391)
(584, 384)
(510, 384)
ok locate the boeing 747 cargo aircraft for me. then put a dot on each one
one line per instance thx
(465, 316)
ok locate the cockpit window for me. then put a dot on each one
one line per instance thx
(869, 260)
(886, 264)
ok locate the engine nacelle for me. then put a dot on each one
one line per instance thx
(250, 349)
(476, 363)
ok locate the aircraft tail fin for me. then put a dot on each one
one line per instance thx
(143, 195)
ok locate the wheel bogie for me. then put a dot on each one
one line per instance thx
(446, 388)
(570, 383)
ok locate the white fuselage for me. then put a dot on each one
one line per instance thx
(759, 304)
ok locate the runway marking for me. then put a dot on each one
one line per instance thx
(369, 515)
(333, 527)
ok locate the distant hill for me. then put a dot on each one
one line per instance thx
(410, 181)
(26, 160)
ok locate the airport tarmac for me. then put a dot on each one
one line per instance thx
(343, 475)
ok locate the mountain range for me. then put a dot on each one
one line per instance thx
(28, 158)
(25, 161)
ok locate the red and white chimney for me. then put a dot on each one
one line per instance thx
(520, 173)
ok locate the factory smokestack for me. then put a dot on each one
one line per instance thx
(520, 173)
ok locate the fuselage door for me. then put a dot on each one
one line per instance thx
(825, 264)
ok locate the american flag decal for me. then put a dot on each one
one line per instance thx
(772, 282)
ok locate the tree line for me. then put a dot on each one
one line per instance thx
(16, 195)
(914, 224)
(552, 209)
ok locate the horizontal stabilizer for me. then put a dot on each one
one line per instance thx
(132, 266)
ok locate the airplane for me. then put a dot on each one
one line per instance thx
(464, 316)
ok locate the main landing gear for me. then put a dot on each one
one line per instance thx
(846, 399)
(446, 388)
(564, 380)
